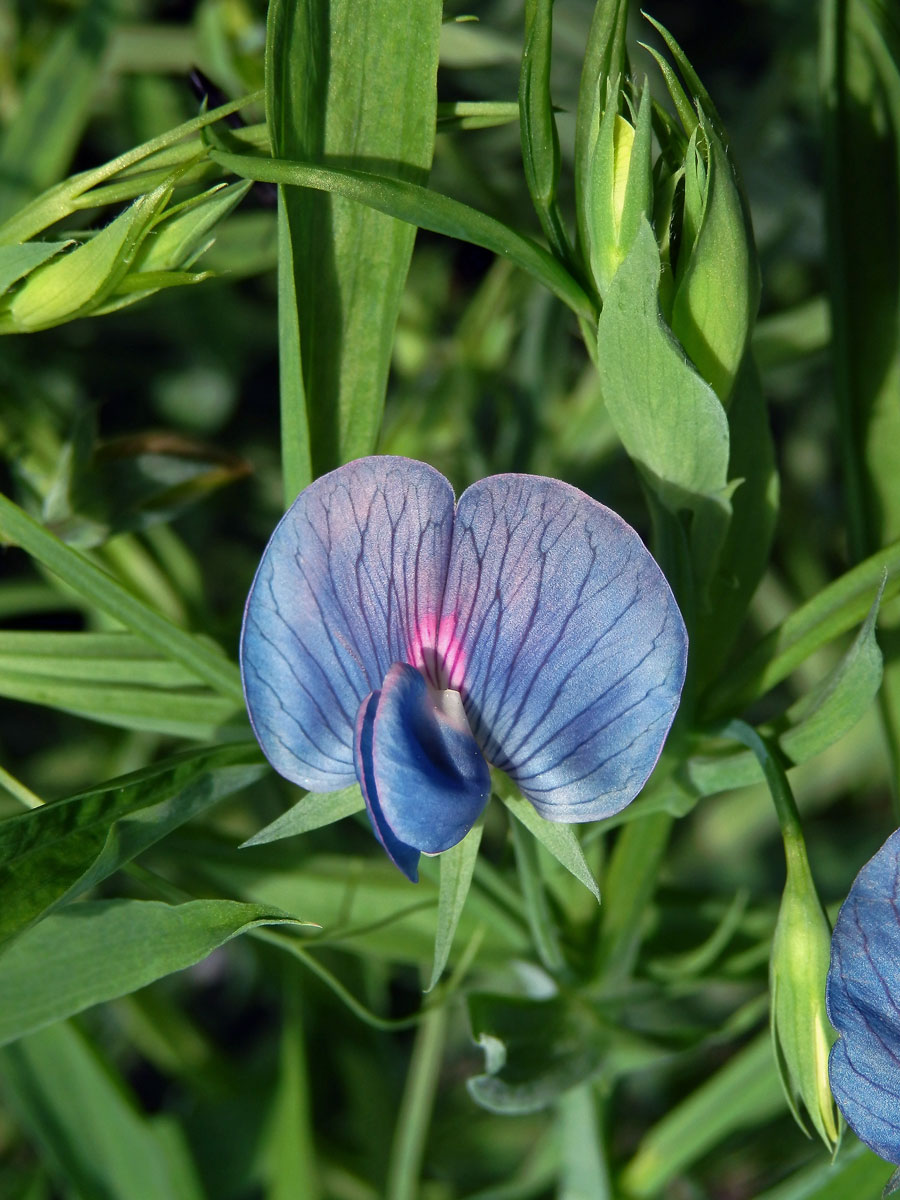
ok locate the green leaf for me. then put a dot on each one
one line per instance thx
(743, 1094)
(425, 208)
(348, 80)
(200, 715)
(91, 657)
(289, 1165)
(17, 261)
(831, 612)
(813, 723)
(52, 854)
(856, 1171)
(457, 868)
(830, 710)
(296, 455)
(311, 812)
(557, 839)
(75, 284)
(363, 905)
(534, 1049)
(540, 143)
(670, 421)
(102, 590)
(39, 142)
(100, 1145)
(98, 950)
(754, 510)
(860, 75)
(139, 169)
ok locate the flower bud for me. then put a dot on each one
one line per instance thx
(801, 1032)
(620, 188)
(716, 273)
(75, 284)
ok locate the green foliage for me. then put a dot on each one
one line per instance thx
(594, 318)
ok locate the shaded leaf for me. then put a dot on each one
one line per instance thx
(99, 950)
(425, 208)
(102, 1144)
(111, 597)
(534, 1050)
(55, 853)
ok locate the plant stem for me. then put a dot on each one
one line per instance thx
(411, 1131)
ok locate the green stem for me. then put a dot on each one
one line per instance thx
(23, 794)
(543, 929)
(408, 1148)
(628, 889)
(776, 778)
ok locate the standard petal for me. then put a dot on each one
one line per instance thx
(431, 779)
(403, 856)
(350, 582)
(566, 642)
(863, 1002)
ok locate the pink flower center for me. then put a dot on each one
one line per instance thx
(437, 652)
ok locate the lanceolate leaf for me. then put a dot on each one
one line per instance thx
(834, 610)
(668, 418)
(348, 79)
(425, 208)
(37, 145)
(457, 867)
(313, 811)
(816, 721)
(55, 853)
(111, 597)
(559, 840)
(101, 1145)
(101, 949)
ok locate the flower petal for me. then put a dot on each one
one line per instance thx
(863, 1001)
(350, 582)
(566, 642)
(402, 856)
(431, 779)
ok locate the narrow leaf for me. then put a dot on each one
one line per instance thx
(831, 612)
(558, 839)
(116, 601)
(55, 853)
(349, 262)
(743, 1094)
(99, 950)
(102, 1144)
(457, 867)
(425, 208)
(38, 144)
(313, 811)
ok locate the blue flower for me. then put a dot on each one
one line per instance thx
(401, 640)
(863, 1002)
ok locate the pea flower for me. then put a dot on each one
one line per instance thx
(399, 639)
(863, 1001)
